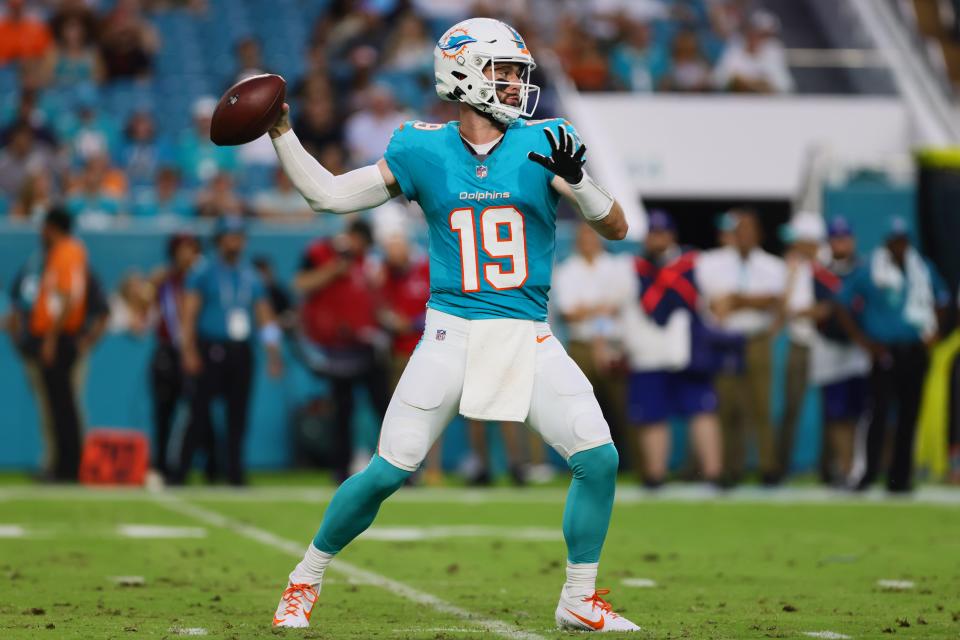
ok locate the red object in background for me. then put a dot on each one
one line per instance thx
(406, 293)
(340, 313)
(115, 457)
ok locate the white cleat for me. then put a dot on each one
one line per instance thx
(296, 605)
(590, 614)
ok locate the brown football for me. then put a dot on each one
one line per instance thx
(248, 109)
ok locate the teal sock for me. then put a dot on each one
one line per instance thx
(590, 502)
(356, 502)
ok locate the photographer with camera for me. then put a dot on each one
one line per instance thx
(341, 337)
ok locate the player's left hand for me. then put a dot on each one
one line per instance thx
(565, 160)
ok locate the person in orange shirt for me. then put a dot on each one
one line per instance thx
(56, 320)
(22, 37)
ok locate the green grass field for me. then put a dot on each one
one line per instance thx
(472, 564)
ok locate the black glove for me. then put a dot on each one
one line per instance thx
(562, 161)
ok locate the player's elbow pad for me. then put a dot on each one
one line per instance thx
(357, 190)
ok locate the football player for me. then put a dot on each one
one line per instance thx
(489, 185)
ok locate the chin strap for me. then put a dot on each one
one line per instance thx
(357, 190)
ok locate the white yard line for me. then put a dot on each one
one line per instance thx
(352, 572)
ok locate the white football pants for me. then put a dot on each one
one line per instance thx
(563, 409)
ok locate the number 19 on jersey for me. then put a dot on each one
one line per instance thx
(502, 236)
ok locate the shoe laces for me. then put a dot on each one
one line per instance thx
(294, 593)
(599, 603)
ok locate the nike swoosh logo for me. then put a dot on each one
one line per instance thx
(542, 338)
(277, 621)
(595, 625)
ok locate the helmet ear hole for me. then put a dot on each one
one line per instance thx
(458, 75)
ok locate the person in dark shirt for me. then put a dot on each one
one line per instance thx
(166, 372)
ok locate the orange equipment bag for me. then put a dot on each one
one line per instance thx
(115, 456)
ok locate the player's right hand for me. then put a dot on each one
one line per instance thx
(282, 125)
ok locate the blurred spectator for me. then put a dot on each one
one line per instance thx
(368, 131)
(803, 308)
(75, 60)
(743, 287)
(838, 366)
(34, 198)
(683, 390)
(687, 69)
(476, 468)
(591, 290)
(22, 35)
(23, 295)
(141, 153)
(131, 305)
(95, 324)
(900, 291)
(28, 110)
(128, 42)
(25, 156)
(409, 47)
(198, 158)
(580, 54)
(92, 132)
(755, 62)
(167, 384)
(225, 302)
(280, 300)
(406, 289)
(69, 10)
(317, 125)
(249, 59)
(167, 200)
(339, 319)
(100, 190)
(636, 64)
(282, 203)
(219, 199)
(56, 320)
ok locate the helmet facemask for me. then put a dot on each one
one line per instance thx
(528, 95)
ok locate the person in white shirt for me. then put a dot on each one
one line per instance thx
(368, 131)
(803, 308)
(591, 290)
(743, 286)
(755, 62)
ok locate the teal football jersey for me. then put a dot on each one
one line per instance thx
(492, 224)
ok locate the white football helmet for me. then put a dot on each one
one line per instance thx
(461, 56)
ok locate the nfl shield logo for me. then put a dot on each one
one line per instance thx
(441, 335)
(481, 171)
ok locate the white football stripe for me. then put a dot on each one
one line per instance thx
(157, 531)
(899, 585)
(12, 531)
(643, 583)
(827, 635)
(189, 631)
(296, 549)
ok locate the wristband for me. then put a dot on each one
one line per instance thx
(594, 202)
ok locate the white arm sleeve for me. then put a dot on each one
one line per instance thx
(357, 190)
